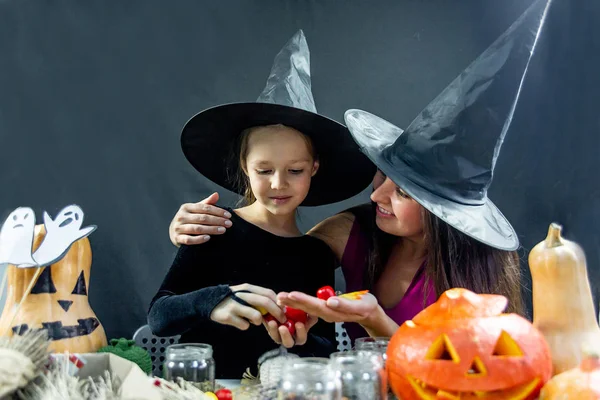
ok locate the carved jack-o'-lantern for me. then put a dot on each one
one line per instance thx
(58, 301)
(464, 347)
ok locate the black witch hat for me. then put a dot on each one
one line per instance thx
(208, 137)
(445, 159)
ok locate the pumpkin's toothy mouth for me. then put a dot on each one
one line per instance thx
(427, 392)
(56, 330)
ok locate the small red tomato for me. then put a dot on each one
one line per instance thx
(325, 292)
(224, 394)
(269, 317)
(295, 315)
(291, 326)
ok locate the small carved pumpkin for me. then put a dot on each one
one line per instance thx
(58, 301)
(580, 383)
(464, 347)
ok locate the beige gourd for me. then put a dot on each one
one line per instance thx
(563, 308)
(38, 310)
(581, 383)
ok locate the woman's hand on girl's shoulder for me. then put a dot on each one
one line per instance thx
(195, 222)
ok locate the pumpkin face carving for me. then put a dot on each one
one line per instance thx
(58, 301)
(464, 347)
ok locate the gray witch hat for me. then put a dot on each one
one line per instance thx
(208, 137)
(445, 159)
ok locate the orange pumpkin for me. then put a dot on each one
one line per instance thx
(464, 347)
(58, 301)
(581, 383)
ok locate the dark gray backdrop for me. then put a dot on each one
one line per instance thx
(93, 96)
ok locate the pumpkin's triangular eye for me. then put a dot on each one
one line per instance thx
(80, 287)
(477, 368)
(44, 283)
(442, 349)
(507, 347)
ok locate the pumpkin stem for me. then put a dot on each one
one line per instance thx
(554, 239)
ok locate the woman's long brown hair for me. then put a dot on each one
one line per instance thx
(454, 260)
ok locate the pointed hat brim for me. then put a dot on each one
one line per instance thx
(484, 222)
(210, 139)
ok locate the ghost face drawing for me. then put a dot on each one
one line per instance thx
(16, 238)
(69, 218)
(63, 231)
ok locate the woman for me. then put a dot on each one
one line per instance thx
(431, 226)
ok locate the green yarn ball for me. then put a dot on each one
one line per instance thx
(127, 349)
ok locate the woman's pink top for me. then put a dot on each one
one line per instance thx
(354, 264)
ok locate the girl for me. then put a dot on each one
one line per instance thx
(212, 294)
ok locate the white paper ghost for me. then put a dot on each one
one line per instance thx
(61, 233)
(16, 238)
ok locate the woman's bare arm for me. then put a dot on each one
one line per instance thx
(334, 231)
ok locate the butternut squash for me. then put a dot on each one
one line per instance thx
(58, 302)
(563, 308)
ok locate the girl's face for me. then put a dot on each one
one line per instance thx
(397, 213)
(279, 166)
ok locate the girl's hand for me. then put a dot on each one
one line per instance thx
(240, 309)
(334, 309)
(282, 335)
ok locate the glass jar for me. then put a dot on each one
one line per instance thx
(310, 378)
(254, 392)
(193, 362)
(362, 374)
(378, 344)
